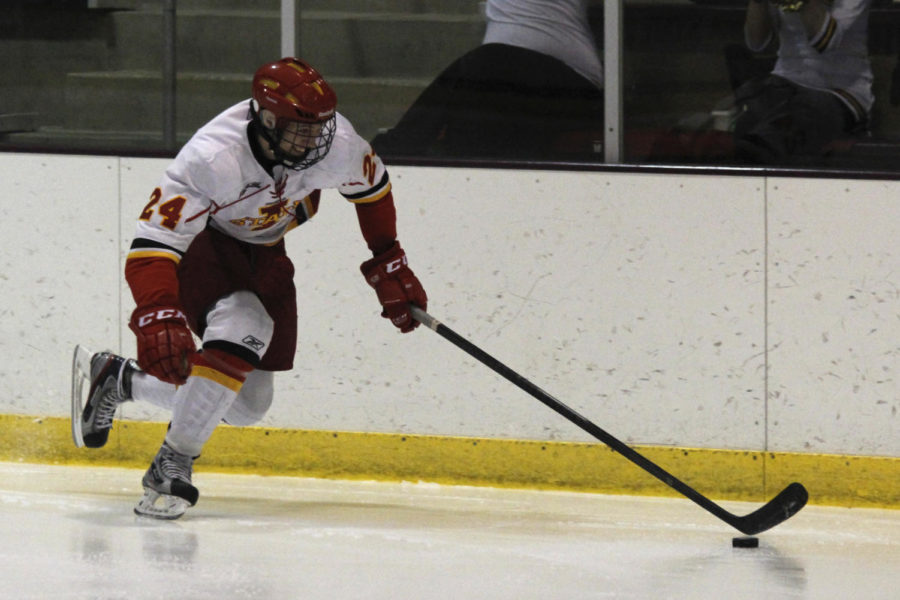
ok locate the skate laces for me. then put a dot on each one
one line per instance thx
(175, 465)
(114, 395)
(106, 410)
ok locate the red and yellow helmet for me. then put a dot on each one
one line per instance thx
(288, 94)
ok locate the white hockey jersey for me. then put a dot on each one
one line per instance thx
(216, 181)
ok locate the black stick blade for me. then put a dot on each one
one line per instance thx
(779, 509)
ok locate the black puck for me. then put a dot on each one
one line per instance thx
(744, 542)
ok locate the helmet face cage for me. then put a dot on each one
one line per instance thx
(295, 110)
(298, 144)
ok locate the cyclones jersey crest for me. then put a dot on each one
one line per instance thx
(280, 207)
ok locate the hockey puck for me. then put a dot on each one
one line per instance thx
(744, 542)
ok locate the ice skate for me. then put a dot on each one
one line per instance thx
(110, 385)
(167, 486)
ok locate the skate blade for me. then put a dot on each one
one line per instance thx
(81, 373)
(160, 506)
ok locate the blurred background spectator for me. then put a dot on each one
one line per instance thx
(531, 90)
(819, 92)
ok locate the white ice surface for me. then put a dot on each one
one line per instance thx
(69, 532)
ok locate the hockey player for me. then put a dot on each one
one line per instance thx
(208, 256)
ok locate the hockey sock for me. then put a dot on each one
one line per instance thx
(253, 401)
(155, 391)
(214, 383)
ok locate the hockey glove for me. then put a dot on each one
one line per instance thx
(396, 285)
(165, 344)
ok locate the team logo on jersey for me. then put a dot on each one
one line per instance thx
(270, 215)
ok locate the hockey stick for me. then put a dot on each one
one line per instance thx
(778, 509)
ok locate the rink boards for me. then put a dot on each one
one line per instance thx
(853, 481)
(748, 320)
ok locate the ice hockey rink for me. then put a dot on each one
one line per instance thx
(69, 532)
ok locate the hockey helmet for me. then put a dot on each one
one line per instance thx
(294, 108)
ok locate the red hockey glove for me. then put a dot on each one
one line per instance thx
(396, 285)
(165, 344)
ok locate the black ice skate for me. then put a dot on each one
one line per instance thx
(167, 486)
(110, 379)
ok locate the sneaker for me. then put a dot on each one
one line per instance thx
(110, 386)
(168, 491)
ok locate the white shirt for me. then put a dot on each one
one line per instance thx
(836, 59)
(557, 28)
(216, 180)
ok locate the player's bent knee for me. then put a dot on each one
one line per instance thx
(239, 324)
(253, 401)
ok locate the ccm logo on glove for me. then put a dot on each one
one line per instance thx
(162, 314)
(164, 342)
(396, 286)
(395, 265)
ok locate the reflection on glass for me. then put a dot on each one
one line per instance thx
(533, 89)
(504, 79)
(781, 83)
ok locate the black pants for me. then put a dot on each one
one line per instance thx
(501, 101)
(781, 123)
